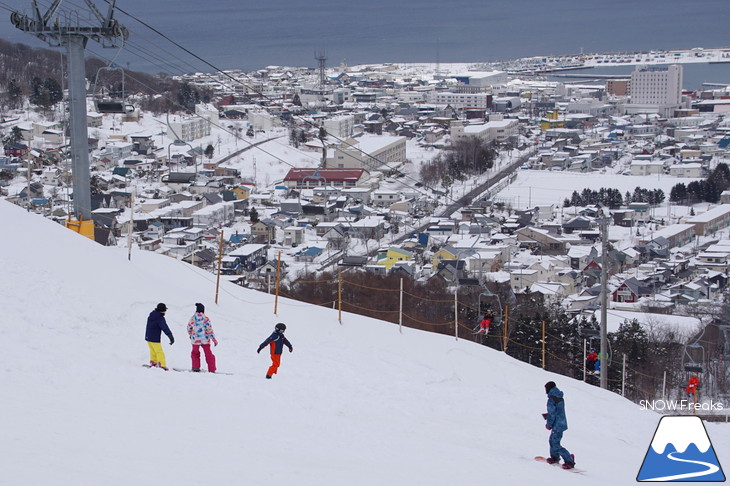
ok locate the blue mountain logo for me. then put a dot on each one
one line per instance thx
(681, 451)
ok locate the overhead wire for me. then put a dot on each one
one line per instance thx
(141, 83)
(238, 81)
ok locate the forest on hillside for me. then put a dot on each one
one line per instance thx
(25, 72)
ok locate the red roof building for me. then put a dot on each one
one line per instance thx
(310, 178)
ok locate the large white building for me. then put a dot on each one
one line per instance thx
(459, 101)
(483, 78)
(367, 152)
(493, 130)
(656, 85)
(189, 128)
(340, 126)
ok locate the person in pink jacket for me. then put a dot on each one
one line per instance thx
(201, 334)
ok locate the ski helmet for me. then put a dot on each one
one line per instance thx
(280, 327)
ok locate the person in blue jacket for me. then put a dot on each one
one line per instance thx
(156, 325)
(276, 343)
(556, 423)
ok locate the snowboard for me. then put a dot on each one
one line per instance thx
(188, 370)
(557, 464)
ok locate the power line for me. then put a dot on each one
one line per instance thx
(217, 69)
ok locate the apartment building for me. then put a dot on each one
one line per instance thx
(460, 101)
(368, 152)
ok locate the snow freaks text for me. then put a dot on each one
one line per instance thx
(680, 405)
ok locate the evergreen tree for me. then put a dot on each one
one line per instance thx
(55, 93)
(36, 85)
(187, 96)
(253, 215)
(576, 200)
(14, 94)
(209, 151)
(15, 136)
(678, 193)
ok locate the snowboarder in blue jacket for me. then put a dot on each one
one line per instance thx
(556, 423)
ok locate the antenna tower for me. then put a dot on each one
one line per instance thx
(69, 30)
(321, 58)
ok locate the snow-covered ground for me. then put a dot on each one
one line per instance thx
(356, 403)
(542, 187)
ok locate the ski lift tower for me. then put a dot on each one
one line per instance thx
(68, 30)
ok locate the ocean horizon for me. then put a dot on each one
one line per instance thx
(245, 35)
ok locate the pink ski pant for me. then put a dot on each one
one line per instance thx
(209, 358)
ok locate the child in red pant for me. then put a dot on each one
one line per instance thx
(276, 343)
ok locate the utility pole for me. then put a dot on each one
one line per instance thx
(65, 30)
(604, 301)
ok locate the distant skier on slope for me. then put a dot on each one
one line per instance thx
(201, 334)
(156, 325)
(557, 423)
(276, 343)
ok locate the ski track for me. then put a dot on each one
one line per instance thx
(711, 469)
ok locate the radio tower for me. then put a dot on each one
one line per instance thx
(68, 32)
(321, 58)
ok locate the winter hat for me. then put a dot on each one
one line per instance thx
(549, 386)
(161, 307)
(199, 307)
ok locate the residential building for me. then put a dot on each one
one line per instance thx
(646, 167)
(460, 101)
(368, 152)
(693, 170)
(394, 255)
(341, 126)
(188, 129)
(711, 221)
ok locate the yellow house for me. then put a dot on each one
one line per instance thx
(395, 254)
(551, 120)
(445, 253)
(241, 192)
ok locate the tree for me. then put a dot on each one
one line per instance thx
(15, 136)
(209, 151)
(14, 94)
(40, 95)
(55, 93)
(678, 193)
(295, 100)
(253, 215)
(187, 96)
